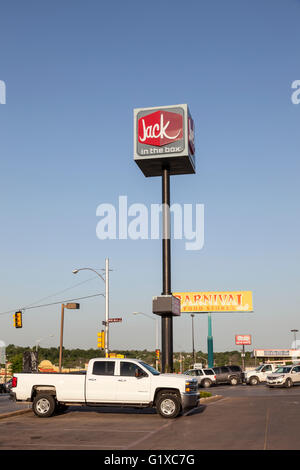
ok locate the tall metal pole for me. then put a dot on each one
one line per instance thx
(166, 320)
(61, 335)
(106, 306)
(210, 347)
(193, 341)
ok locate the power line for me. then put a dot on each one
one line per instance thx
(60, 292)
(48, 296)
(52, 303)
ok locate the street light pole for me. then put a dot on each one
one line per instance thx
(106, 281)
(61, 335)
(69, 306)
(193, 342)
(106, 306)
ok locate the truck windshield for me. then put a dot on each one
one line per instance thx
(150, 368)
(258, 368)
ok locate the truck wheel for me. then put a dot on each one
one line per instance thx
(43, 405)
(233, 381)
(168, 405)
(253, 381)
(206, 383)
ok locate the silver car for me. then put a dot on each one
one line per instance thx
(205, 377)
(284, 376)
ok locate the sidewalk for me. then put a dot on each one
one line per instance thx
(11, 408)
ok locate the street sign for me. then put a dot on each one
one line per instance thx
(114, 320)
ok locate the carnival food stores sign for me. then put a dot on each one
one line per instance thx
(240, 301)
(164, 137)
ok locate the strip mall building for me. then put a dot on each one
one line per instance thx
(278, 356)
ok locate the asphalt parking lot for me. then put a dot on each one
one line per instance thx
(250, 418)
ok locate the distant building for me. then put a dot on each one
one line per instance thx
(280, 356)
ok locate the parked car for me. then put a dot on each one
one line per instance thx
(258, 375)
(228, 375)
(7, 386)
(2, 388)
(284, 376)
(205, 377)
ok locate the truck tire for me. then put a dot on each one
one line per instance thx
(254, 380)
(168, 405)
(43, 405)
(206, 383)
(233, 380)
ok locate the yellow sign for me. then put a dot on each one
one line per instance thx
(114, 355)
(215, 301)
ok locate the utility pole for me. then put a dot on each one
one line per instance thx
(106, 306)
(72, 306)
(193, 341)
(61, 335)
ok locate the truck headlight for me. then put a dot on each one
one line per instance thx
(190, 386)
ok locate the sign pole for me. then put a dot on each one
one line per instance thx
(166, 320)
(243, 357)
(210, 347)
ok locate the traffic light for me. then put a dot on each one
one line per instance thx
(101, 340)
(18, 320)
(157, 353)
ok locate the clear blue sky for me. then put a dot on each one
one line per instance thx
(74, 71)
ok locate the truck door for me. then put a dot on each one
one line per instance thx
(133, 384)
(101, 383)
(264, 372)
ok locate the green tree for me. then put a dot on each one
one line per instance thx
(17, 363)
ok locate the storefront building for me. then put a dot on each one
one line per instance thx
(277, 356)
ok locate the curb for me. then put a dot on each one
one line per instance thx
(210, 399)
(14, 413)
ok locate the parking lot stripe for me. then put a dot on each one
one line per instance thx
(155, 431)
(267, 427)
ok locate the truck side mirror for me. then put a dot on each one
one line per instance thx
(139, 373)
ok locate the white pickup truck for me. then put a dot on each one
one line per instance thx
(107, 382)
(258, 375)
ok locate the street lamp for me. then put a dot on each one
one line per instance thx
(156, 335)
(106, 280)
(71, 306)
(38, 341)
(294, 331)
(193, 341)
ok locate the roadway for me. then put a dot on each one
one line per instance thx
(246, 418)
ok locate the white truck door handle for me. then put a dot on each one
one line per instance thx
(92, 380)
(121, 380)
